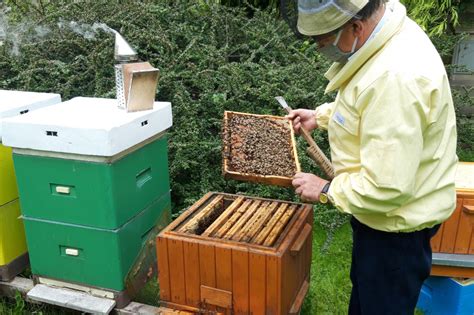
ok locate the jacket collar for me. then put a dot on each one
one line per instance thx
(339, 73)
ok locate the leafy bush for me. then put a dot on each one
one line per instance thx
(434, 16)
(212, 58)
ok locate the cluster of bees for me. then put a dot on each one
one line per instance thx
(261, 146)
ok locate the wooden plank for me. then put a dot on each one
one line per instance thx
(252, 217)
(291, 281)
(236, 232)
(24, 285)
(225, 242)
(464, 235)
(18, 284)
(224, 270)
(163, 268)
(208, 212)
(176, 270)
(191, 272)
(258, 222)
(257, 283)
(207, 265)
(309, 252)
(181, 220)
(469, 203)
(449, 271)
(223, 217)
(142, 309)
(436, 240)
(240, 283)
(301, 240)
(296, 307)
(272, 285)
(217, 297)
(71, 299)
(275, 233)
(207, 268)
(233, 219)
(471, 245)
(450, 231)
(288, 279)
(260, 238)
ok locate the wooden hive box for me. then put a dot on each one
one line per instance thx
(237, 255)
(279, 136)
(455, 238)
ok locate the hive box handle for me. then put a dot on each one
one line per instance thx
(469, 209)
(296, 307)
(216, 297)
(298, 244)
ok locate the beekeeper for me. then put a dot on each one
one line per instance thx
(392, 132)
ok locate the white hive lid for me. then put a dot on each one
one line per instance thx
(87, 126)
(13, 103)
(465, 176)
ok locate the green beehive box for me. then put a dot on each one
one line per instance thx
(91, 256)
(95, 194)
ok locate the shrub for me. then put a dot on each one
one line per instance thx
(212, 58)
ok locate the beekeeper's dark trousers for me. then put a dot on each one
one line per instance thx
(388, 269)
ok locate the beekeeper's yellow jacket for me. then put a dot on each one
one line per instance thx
(392, 130)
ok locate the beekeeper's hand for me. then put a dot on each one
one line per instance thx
(305, 118)
(308, 186)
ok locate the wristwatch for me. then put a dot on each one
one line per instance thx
(323, 196)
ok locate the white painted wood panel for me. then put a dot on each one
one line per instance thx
(87, 126)
(13, 103)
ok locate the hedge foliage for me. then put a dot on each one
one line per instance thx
(212, 58)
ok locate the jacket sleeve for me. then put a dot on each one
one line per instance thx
(393, 114)
(323, 114)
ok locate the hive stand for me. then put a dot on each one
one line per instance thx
(76, 300)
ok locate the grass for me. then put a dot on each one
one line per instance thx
(330, 285)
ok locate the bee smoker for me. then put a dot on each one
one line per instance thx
(135, 81)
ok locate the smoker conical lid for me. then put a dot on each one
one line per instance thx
(123, 51)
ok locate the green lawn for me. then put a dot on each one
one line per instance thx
(330, 285)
